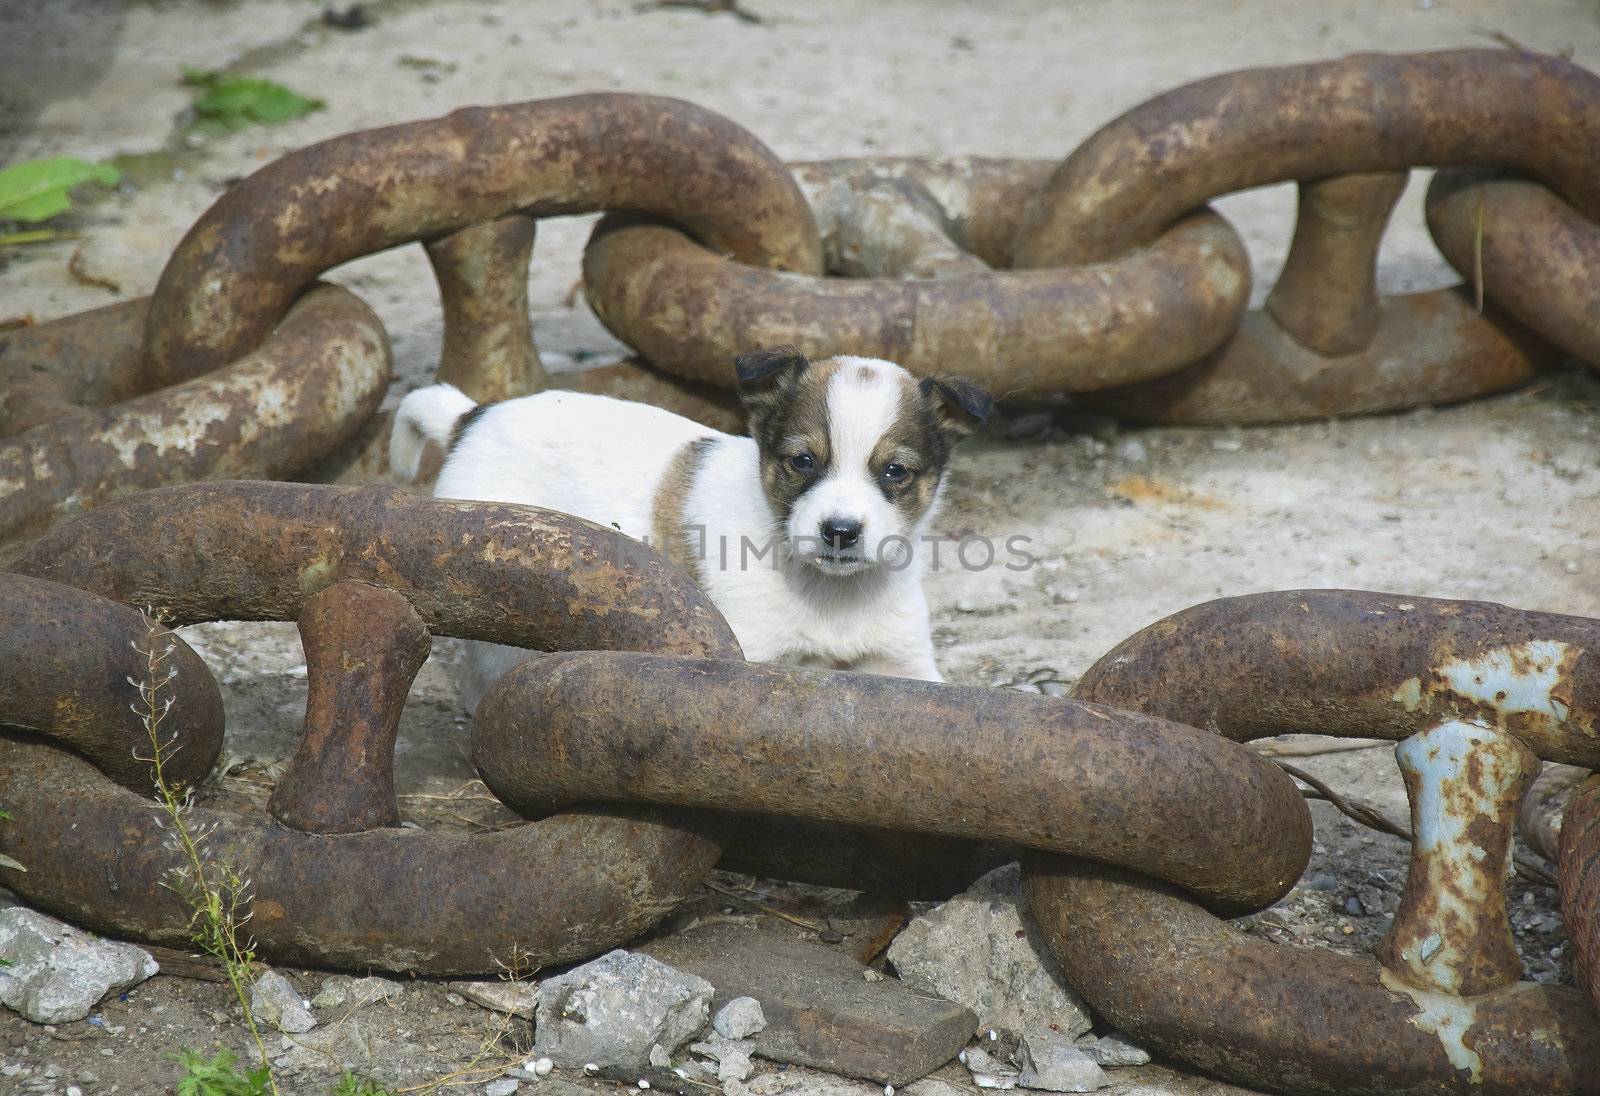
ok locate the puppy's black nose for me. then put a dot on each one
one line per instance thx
(838, 533)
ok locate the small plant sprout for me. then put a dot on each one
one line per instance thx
(218, 898)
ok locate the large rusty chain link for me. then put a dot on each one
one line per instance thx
(1141, 815)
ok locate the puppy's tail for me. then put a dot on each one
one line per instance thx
(428, 414)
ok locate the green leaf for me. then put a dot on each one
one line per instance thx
(10, 864)
(38, 189)
(33, 236)
(219, 1076)
(234, 102)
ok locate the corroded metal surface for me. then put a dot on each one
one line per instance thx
(1429, 348)
(1369, 112)
(482, 273)
(1360, 664)
(916, 866)
(1327, 295)
(1531, 252)
(303, 391)
(1125, 307)
(236, 271)
(407, 901)
(1451, 933)
(1365, 665)
(69, 656)
(474, 570)
(363, 647)
(689, 310)
(1580, 883)
(258, 551)
(988, 764)
(1175, 978)
(57, 368)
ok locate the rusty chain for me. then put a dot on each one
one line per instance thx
(1105, 276)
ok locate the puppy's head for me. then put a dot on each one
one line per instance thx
(853, 451)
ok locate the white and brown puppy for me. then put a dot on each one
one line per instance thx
(807, 535)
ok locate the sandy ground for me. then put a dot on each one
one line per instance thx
(1498, 500)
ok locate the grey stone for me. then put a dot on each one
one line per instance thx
(610, 1012)
(513, 998)
(343, 991)
(1052, 1063)
(1132, 450)
(987, 1070)
(979, 951)
(56, 974)
(275, 1000)
(1114, 1050)
(820, 1010)
(505, 1086)
(740, 1018)
(731, 1055)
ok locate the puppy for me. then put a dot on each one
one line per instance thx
(807, 535)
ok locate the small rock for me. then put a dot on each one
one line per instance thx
(611, 1011)
(505, 1086)
(1114, 1050)
(988, 1071)
(55, 974)
(740, 1018)
(732, 1057)
(343, 991)
(1052, 1063)
(977, 950)
(542, 1067)
(1322, 882)
(870, 975)
(513, 998)
(1132, 450)
(275, 1000)
(659, 1058)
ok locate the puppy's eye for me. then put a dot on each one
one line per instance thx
(803, 462)
(895, 472)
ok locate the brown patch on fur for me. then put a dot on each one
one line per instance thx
(668, 517)
(917, 439)
(790, 419)
(464, 423)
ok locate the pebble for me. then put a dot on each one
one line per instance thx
(505, 1086)
(740, 1018)
(611, 1011)
(275, 1000)
(1132, 449)
(1054, 1064)
(542, 1067)
(1114, 1050)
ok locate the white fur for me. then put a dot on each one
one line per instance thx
(428, 414)
(604, 460)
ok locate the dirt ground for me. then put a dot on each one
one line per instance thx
(1496, 500)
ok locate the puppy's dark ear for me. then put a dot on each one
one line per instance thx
(761, 373)
(959, 405)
